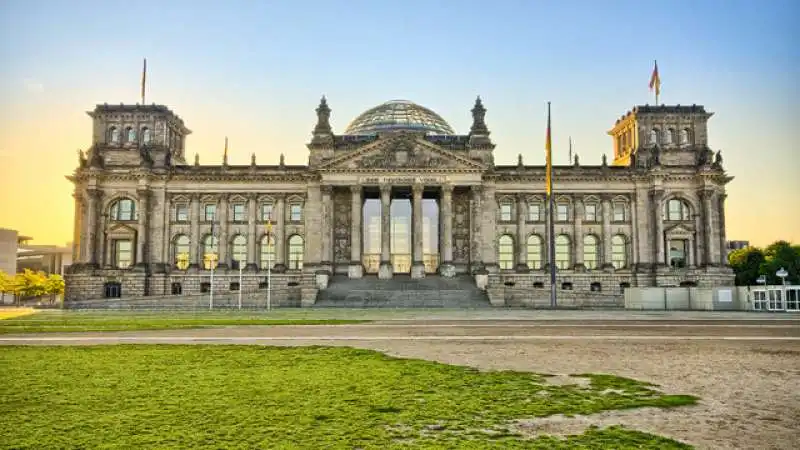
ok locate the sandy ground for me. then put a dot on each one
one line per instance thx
(749, 387)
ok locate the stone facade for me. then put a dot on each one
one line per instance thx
(148, 223)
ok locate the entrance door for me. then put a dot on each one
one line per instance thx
(793, 298)
(774, 300)
(371, 235)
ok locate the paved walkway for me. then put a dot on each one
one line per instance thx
(567, 329)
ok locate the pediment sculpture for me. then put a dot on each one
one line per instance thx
(403, 155)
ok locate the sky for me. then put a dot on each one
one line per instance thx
(255, 70)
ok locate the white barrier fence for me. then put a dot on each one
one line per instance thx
(776, 298)
(725, 298)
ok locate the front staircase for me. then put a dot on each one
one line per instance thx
(402, 291)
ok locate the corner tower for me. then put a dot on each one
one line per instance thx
(681, 132)
(136, 135)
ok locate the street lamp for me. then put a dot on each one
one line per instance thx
(782, 274)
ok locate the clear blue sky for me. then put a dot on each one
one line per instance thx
(254, 71)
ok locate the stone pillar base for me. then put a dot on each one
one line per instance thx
(355, 270)
(447, 269)
(522, 268)
(308, 296)
(418, 270)
(482, 280)
(385, 271)
(322, 277)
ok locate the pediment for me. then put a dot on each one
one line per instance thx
(679, 230)
(120, 229)
(402, 152)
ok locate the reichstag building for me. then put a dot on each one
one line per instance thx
(398, 195)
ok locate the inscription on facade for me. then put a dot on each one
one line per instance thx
(402, 180)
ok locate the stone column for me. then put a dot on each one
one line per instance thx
(577, 233)
(447, 269)
(326, 232)
(77, 215)
(522, 244)
(280, 234)
(166, 236)
(658, 220)
(251, 233)
(632, 254)
(141, 232)
(385, 269)
(721, 230)
(102, 250)
(488, 217)
(418, 260)
(606, 261)
(90, 226)
(476, 254)
(195, 253)
(222, 212)
(355, 269)
(712, 238)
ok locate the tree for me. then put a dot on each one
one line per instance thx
(781, 254)
(746, 263)
(54, 285)
(6, 285)
(30, 284)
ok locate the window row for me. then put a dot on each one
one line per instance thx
(124, 209)
(564, 212)
(237, 213)
(116, 136)
(181, 249)
(506, 255)
(669, 136)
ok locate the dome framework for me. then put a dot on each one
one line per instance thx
(399, 115)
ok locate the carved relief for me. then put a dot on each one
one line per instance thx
(461, 224)
(341, 226)
(405, 155)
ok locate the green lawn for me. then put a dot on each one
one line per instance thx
(66, 321)
(174, 396)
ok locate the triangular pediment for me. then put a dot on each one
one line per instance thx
(679, 230)
(402, 152)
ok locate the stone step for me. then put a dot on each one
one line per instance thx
(402, 292)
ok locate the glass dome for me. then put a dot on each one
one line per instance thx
(398, 115)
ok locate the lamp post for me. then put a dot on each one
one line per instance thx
(763, 302)
(269, 261)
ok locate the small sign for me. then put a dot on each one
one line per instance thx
(725, 296)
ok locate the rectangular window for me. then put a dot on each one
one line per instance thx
(678, 252)
(238, 212)
(534, 213)
(562, 213)
(296, 213)
(591, 213)
(181, 213)
(505, 212)
(619, 212)
(123, 253)
(266, 212)
(210, 213)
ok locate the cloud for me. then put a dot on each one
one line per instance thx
(33, 86)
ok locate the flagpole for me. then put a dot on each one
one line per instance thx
(551, 219)
(570, 151)
(144, 78)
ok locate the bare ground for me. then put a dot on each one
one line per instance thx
(750, 391)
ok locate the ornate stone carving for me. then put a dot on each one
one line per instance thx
(342, 206)
(405, 155)
(461, 224)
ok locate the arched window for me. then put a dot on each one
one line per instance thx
(563, 253)
(534, 252)
(677, 209)
(239, 252)
(180, 251)
(505, 252)
(113, 135)
(210, 251)
(591, 253)
(130, 134)
(146, 135)
(296, 252)
(684, 136)
(653, 139)
(668, 136)
(267, 252)
(123, 209)
(619, 252)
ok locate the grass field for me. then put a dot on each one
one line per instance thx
(169, 396)
(71, 321)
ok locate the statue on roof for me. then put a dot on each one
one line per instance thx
(718, 158)
(282, 161)
(323, 118)
(478, 119)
